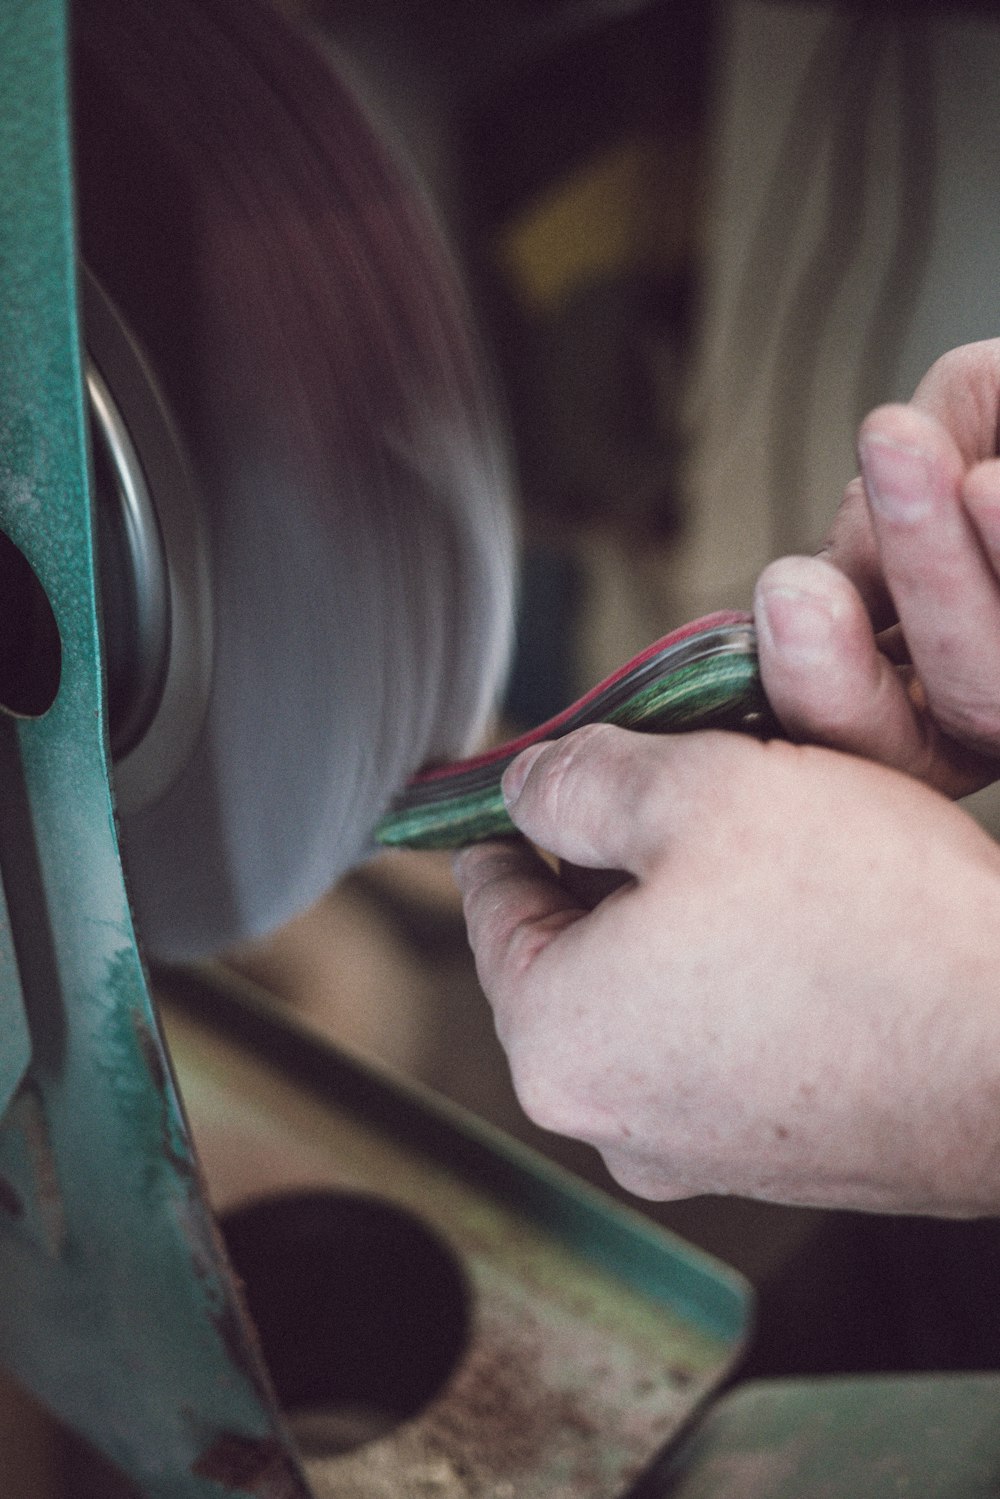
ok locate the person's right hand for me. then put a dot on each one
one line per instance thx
(792, 997)
(888, 644)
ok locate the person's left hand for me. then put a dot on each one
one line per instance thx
(888, 645)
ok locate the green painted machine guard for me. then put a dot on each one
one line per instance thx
(925, 1436)
(118, 1311)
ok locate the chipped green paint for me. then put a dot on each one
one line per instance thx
(119, 1311)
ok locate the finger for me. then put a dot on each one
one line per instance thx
(961, 391)
(981, 495)
(851, 547)
(823, 673)
(945, 590)
(514, 908)
(594, 798)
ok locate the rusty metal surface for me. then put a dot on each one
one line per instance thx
(593, 1335)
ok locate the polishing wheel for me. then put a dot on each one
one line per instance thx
(302, 507)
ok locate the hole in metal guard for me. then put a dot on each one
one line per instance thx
(30, 647)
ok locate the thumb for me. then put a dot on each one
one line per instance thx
(594, 798)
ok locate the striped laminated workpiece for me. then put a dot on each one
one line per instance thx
(703, 675)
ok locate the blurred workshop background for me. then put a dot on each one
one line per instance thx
(702, 239)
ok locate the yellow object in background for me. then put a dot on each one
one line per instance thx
(618, 212)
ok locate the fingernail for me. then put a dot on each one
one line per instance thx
(897, 479)
(794, 622)
(516, 774)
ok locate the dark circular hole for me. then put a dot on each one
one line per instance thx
(362, 1311)
(30, 648)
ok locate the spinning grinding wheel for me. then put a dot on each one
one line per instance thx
(229, 469)
(306, 530)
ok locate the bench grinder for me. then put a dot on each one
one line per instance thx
(255, 547)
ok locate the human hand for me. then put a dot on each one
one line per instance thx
(914, 553)
(793, 998)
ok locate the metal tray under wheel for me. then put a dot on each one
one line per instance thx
(588, 1337)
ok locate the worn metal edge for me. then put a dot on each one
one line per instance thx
(611, 1235)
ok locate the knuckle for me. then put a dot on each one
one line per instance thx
(950, 374)
(969, 374)
(523, 944)
(590, 741)
(564, 764)
(637, 1176)
(539, 1094)
(948, 366)
(549, 1098)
